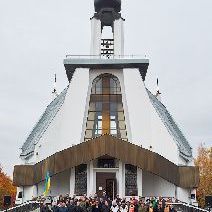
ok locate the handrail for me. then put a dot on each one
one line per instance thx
(25, 207)
(184, 207)
(106, 56)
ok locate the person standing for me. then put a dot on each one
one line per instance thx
(105, 207)
(55, 207)
(63, 207)
(150, 208)
(132, 207)
(70, 206)
(123, 208)
(44, 208)
(114, 207)
(96, 207)
(142, 207)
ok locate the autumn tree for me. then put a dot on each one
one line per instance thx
(204, 161)
(6, 187)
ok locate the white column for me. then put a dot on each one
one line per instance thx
(72, 181)
(91, 179)
(125, 105)
(35, 191)
(120, 179)
(139, 181)
(88, 179)
(119, 37)
(96, 35)
(123, 179)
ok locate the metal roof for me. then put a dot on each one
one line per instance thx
(182, 143)
(43, 123)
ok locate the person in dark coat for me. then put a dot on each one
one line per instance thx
(44, 208)
(55, 208)
(105, 207)
(63, 207)
(96, 207)
(70, 206)
(104, 196)
(78, 208)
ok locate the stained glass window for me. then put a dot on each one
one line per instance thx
(106, 114)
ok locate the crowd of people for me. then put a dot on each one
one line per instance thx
(105, 204)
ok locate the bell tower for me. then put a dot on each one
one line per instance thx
(107, 14)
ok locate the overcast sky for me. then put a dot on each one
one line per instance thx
(36, 35)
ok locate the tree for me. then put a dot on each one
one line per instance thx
(204, 161)
(6, 187)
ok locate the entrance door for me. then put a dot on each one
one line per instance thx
(106, 181)
(110, 188)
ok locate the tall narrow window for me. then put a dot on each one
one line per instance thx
(131, 188)
(81, 180)
(106, 114)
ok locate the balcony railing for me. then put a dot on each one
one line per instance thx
(183, 207)
(106, 56)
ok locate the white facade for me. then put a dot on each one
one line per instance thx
(144, 126)
(148, 184)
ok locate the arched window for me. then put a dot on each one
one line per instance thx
(106, 114)
(106, 84)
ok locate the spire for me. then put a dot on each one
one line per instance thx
(54, 92)
(158, 93)
(107, 15)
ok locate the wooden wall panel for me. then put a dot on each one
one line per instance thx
(107, 145)
(23, 175)
(189, 175)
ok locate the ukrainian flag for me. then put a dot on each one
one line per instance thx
(47, 184)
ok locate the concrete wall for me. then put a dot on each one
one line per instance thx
(183, 195)
(119, 37)
(95, 37)
(156, 186)
(60, 184)
(28, 192)
(147, 129)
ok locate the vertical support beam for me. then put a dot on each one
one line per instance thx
(88, 179)
(119, 37)
(120, 179)
(91, 179)
(72, 181)
(106, 105)
(96, 35)
(124, 187)
(139, 182)
(105, 118)
(35, 191)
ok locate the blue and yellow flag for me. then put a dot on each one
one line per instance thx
(47, 184)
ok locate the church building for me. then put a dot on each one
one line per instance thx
(106, 131)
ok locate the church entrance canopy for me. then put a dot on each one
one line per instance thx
(182, 176)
